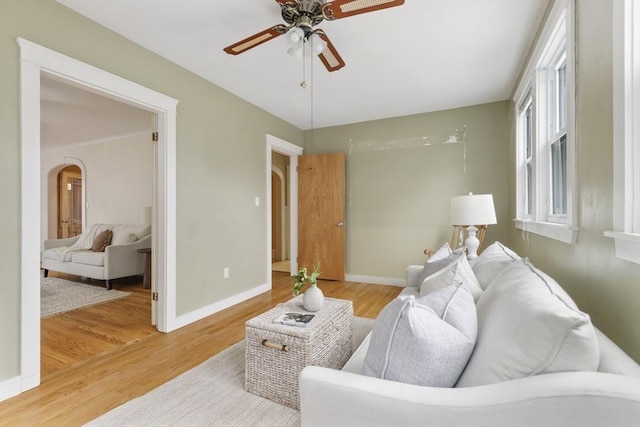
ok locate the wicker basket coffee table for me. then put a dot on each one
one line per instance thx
(275, 353)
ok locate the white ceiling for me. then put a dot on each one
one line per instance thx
(426, 55)
(71, 116)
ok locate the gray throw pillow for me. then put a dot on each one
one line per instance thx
(439, 260)
(425, 341)
(459, 270)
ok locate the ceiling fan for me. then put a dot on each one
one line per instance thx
(301, 16)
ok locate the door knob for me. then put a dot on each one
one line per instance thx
(341, 224)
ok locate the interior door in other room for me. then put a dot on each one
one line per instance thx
(321, 213)
(69, 202)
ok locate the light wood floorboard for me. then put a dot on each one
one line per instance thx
(79, 335)
(84, 390)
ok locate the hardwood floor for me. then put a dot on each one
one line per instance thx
(86, 389)
(79, 335)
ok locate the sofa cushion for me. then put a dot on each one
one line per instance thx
(425, 341)
(457, 271)
(528, 325)
(123, 234)
(51, 253)
(440, 259)
(491, 262)
(88, 257)
(102, 240)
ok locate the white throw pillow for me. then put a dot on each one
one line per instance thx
(440, 259)
(457, 271)
(528, 325)
(492, 261)
(124, 233)
(426, 341)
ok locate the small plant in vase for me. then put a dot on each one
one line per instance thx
(313, 298)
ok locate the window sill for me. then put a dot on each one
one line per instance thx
(627, 245)
(561, 232)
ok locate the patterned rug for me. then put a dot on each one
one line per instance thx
(211, 394)
(59, 295)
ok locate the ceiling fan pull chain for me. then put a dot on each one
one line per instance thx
(303, 84)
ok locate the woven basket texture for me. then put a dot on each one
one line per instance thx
(325, 341)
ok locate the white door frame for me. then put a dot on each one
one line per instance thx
(35, 60)
(293, 151)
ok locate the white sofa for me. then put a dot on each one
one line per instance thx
(119, 259)
(607, 395)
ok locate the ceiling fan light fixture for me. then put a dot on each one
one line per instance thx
(295, 51)
(295, 37)
(301, 16)
(317, 44)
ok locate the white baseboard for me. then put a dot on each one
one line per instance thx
(203, 312)
(374, 280)
(10, 387)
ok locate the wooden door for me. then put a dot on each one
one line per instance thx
(321, 213)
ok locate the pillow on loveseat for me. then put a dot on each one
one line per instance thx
(101, 241)
(528, 326)
(125, 233)
(425, 341)
(440, 259)
(492, 261)
(457, 271)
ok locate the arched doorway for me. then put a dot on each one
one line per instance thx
(68, 199)
(62, 203)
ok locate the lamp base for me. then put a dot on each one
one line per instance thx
(472, 243)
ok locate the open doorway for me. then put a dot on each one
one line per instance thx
(36, 61)
(279, 147)
(280, 228)
(87, 134)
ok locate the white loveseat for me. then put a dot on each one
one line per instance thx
(119, 259)
(554, 391)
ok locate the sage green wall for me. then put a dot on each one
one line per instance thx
(221, 162)
(602, 285)
(398, 199)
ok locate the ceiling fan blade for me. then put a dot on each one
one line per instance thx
(338, 9)
(255, 40)
(330, 56)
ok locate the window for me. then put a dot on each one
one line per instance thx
(626, 130)
(557, 138)
(526, 132)
(545, 132)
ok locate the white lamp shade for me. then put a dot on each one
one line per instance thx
(473, 209)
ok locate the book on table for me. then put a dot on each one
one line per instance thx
(294, 319)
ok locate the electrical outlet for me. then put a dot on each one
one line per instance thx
(226, 272)
(257, 201)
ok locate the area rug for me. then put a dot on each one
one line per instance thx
(60, 295)
(211, 394)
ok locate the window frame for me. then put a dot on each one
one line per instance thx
(555, 45)
(526, 164)
(626, 131)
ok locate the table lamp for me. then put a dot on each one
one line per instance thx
(473, 211)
